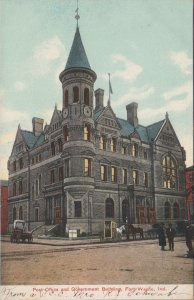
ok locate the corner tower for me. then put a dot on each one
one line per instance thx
(78, 127)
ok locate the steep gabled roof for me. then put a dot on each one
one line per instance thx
(127, 129)
(154, 129)
(98, 113)
(40, 140)
(77, 56)
(29, 138)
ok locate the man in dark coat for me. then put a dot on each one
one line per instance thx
(162, 237)
(188, 237)
(170, 232)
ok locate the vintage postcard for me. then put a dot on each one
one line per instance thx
(96, 172)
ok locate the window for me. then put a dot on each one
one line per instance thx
(113, 144)
(135, 150)
(52, 176)
(33, 192)
(75, 94)
(124, 176)
(125, 210)
(66, 100)
(87, 133)
(167, 210)
(109, 209)
(33, 160)
(14, 166)
(145, 179)
(176, 211)
(14, 189)
(78, 209)
(20, 213)
(145, 154)
(60, 173)
(37, 187)
(190, 178)
(67, 167)
(36, 158)
(20, 187)
(52, 148)
(123, 150)
(113, 174)
(86, 96)
(36, 214)
(60, 145)
(169, 172)
(103, 172)
(40, 182)
(14, 214)
(102, 143)
(87, 167)
(39, 157)
(21, 163)
(66, 133)
(135, 177)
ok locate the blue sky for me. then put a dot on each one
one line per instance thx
(146, 45)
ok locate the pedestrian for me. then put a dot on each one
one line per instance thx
(162, 237)
(188, 238)
(170, 232)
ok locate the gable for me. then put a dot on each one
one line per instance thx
(135, 135)
(167, 136)
(55, 122)
(108, 118)
(19, 143)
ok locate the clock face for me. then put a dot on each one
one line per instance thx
(87, 111)
(65, 113)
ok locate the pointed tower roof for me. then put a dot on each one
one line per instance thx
(77, 56)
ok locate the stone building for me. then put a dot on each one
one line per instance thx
(88, 165)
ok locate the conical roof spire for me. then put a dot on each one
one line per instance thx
(77, 56)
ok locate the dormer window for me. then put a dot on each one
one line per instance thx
(113, 144)
(66, 100)
(135, 150)
(75, 94)
(86, 96)
(124, 150)
(102, 143)
(87, 133)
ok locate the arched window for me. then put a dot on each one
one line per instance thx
(14, 166)
(75, 94)
(109, 210)
(102, 143)
(113, 144)
(20, 188)
(66, 133)
(176, 211)
(86, 96)
(66, 100)
(20, 213)
(135, 150)
(125, 210)
(169, 172)
(14, 214)
(167, 210)
(87, 133)
(60, 145)
(52, 148)
(14, 189)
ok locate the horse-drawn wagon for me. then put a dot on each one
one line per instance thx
(20, 233)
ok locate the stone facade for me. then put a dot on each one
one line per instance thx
(88, 165)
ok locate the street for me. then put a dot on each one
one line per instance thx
(133, 262)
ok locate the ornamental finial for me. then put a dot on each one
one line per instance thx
(77, 17)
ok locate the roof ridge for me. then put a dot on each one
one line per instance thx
(155, 123)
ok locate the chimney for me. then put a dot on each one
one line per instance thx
(132, 114)
(37, 125)
(99, 95)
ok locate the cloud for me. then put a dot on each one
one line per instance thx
(182, 60)
(134, 94)
(3, 169)
(46, 54)
(8, 137)
(19, 86)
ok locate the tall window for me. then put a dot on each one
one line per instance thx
(176, 211)
(40, 182)
(135, 177)
(135, 150)
(20, 187)
(14, 166)
(52, 148)
(125, 210)
(60, 173)
(37, 187)
(67, 162)
(86, 96)
(167, 210)
(14, 189)
(145, 179)
(66, 100)
(87, 167)
(20, 213)
(33, 192)
(145, 154)
(113, 144)
(36, 214)
(66, 133)
(52, 176)
(124, 150)
(124, 176)
(113, 174)
(60, 145)
(87, 133)
(75, 94)
(21, 163)
(103, 172)
(14, 214)
(78, 209)
(109, 208)
(169, 172)
(102, 143)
